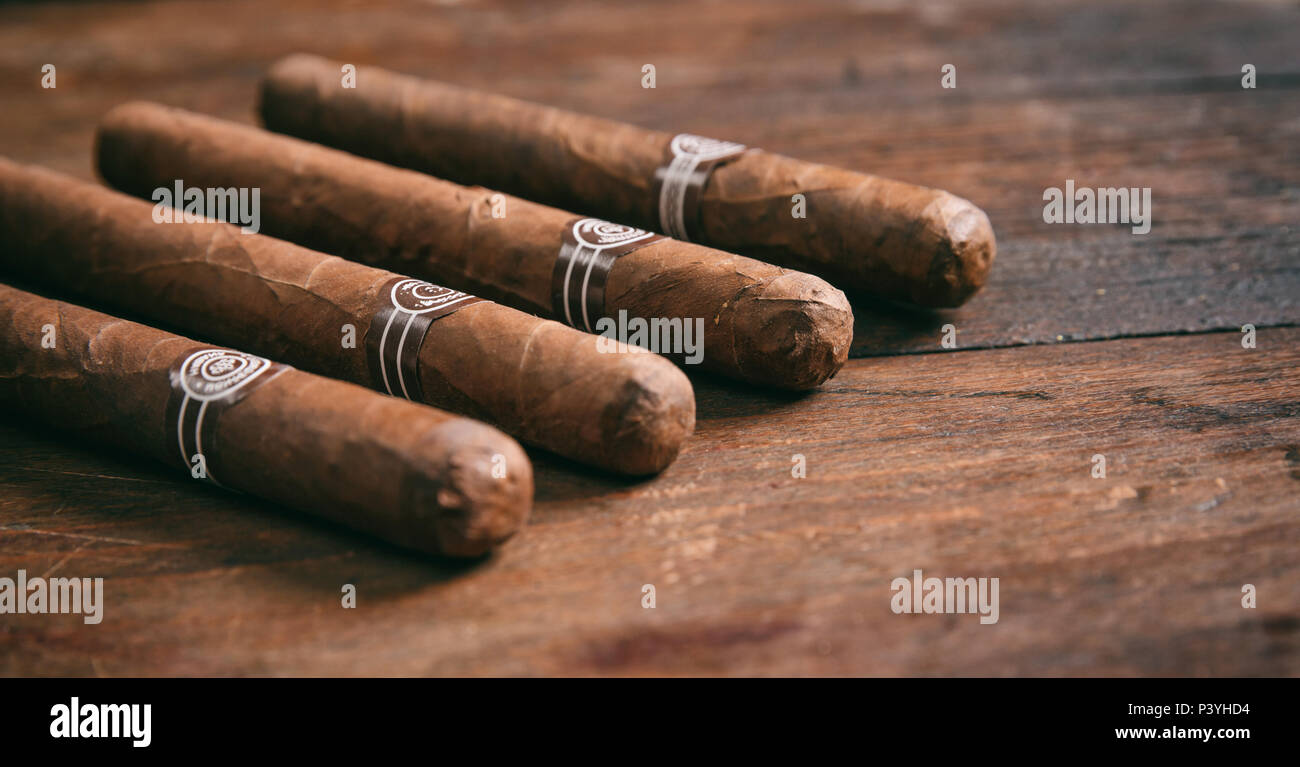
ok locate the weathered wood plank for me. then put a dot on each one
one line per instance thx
(1105, 95)
(959, 464)
(970, 463)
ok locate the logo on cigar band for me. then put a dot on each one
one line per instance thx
(596, 233)
(589, 249)
(682, 179)
(213, 373)
(216, 379)
(398, 327)
(702, 148)
(419, 297)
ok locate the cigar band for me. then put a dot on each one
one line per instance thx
(681, 181)
(590, 248)
(205, 384)
(407, 308)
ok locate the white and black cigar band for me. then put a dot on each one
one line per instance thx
(205, 384)
(590, 248)
(681, 180)
(407, 308)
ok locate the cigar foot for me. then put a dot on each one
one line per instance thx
(648, 419)
(802, 329)
(963, 256)
(481, 497)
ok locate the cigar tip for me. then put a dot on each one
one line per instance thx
(800, 328)
(117, 150)
(121, 118)
(124, 111)
(297, 60)
(964, 256)
(649, 418)
(481, 494)
(286, 93)
(293, 71)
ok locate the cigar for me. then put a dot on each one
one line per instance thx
(545, 383)
(760, 323)
(408, 473)
(861, 232)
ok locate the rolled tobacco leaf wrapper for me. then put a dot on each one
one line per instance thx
(545, 383)
(407, 473)
(861, 232)
(759, 322)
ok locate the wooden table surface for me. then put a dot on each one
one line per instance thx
(974, 462)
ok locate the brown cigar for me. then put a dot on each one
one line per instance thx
(861, 232)
(760, 323)
(407, 473)
(537, 379)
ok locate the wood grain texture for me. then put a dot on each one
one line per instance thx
(961, 464)
(967, 463)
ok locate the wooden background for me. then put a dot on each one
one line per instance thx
(974, 462)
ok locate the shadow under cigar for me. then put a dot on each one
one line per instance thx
(556, 478)
(717, 398)
(157, 523)
(882, 327)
